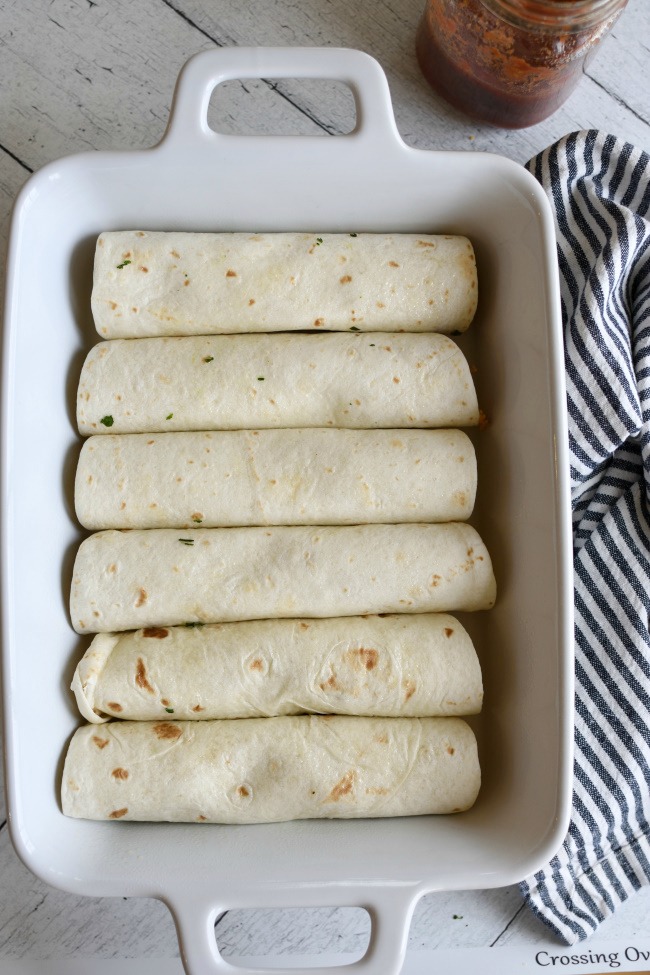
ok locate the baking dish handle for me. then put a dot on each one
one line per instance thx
(188, 123)
(390, 909)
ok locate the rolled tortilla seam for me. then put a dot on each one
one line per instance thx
(125, 580)
(248, 382)
(275, 477)
(392, 666)
(260, 770)
(155, 283)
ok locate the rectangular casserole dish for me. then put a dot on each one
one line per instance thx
(196, 179)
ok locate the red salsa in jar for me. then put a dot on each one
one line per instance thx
(510, 63)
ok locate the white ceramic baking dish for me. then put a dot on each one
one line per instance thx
(366, 181)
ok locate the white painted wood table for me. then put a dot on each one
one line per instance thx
(99, 74)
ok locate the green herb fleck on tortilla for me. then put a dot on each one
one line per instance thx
(353, 235)
(260, 379)
(186, 541)
(169, 710)
(194, 624)
(123, 264)
(107, 421)
(208, 358)
(169, 416)
(353, 328)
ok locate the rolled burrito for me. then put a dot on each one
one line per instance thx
(395, 666)
(263, 770)
(150, 283)
(234, 382)
(275, 477)
(125, 580)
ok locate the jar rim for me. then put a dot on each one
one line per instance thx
(570, 14)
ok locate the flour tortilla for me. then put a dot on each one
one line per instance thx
(275, 477)
(260, 770)
(233, 382)
(124, 580)
(393, 666)
(148, 284)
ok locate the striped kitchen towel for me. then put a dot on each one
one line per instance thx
(599, 188)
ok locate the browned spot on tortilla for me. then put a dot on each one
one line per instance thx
(141, 673)
(164, 702)
(396, 379)
(450, 749)
(243, 791)
(364, 656)
(425, 243)
(230, 273)
(256, 664)
(175, 254)
(186, 282)
(393, 264)
(345, 279)
(167, 730)
(145, 269)
(251, 301)
(156, 633)
(377, 790)
(100, 742)
(149, 442)
(448, 631)
(387, 348)
(409, 689)
(100, 242)
(331, 684)
(142, 598)
(113, 305)
(318, 322)
(304, 626)
(114, 706)
(470, 552)
(140, 233)
(380, 304)
(201, 819)
(342, 788)
(135, 310)
(120, 773)
(197, 708)
(118, 813)
(435, 579)
(460, 497)
(382, 739)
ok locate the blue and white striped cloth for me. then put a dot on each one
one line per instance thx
(599, 188)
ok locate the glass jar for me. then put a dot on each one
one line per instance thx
(510, 63)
